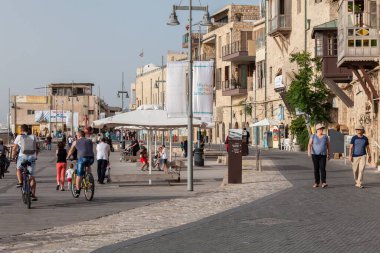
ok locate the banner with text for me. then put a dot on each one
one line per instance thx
(176, 98)
(203, 79)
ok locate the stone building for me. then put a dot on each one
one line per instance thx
(64, 105)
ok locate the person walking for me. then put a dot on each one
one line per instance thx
(102, 155)
(61, 166)
(48, 142)
(164, 158)
(319, 150)
(358, 153)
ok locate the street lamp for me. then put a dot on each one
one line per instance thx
(206, 21)
(122, 92)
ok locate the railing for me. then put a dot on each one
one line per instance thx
(231, 84)
(234, 47)
(280, 22)
(204, 57)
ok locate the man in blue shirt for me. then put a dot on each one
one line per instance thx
(359, 148)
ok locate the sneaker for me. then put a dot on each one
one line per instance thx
(34, 198)
(324, 185)
(57, 188)
(19, 185)
(315, 185)
(77, 193)
(63, 189)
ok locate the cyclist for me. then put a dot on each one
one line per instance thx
(3, 155)
(25, 145)
(85, 150)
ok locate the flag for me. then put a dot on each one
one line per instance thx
(142, 53)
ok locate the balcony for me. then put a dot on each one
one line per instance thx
(233, 88)
(330, 70)
(239, 52)
(204, 57)
(280, 24)
(195, 41)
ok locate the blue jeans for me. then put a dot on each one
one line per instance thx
(31, 159)
(82, 163)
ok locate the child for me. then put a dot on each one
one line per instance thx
(69, 175)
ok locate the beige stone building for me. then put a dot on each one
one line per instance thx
(60, 101)
(231, 41)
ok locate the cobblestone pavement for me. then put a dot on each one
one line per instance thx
(340, 218)
(134, 223)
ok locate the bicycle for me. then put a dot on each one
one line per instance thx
(87, 184)
(26, 189)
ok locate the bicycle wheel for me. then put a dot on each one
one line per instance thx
(73, 187)
(28, 193)
(89, 186)
(23, 195)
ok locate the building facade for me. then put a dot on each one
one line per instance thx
(65, 105)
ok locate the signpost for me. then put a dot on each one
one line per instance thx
(235, 170)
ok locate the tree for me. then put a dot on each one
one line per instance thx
(309, 94)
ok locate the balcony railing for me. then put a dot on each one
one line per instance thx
(238, 51)
(233, 87)
(204, 57)
(280, 23)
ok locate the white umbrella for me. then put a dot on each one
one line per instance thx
(266, 122)
(149, 119)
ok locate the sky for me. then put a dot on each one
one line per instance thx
(45, 41)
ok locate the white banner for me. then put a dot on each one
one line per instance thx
(203, 79)
(176, 98)
(51, 116)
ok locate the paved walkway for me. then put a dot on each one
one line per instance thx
(90, 235)
(340, 218)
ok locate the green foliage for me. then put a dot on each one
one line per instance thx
(246, 107)
(298, 128)
(307, 91)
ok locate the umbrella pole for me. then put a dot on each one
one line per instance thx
(149, 156)
(155, 141)
(170, 145)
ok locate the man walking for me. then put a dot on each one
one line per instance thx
(102, 155)
(359, 148)
(85, 157)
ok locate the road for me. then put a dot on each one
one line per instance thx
(340, 218)
(56, 208)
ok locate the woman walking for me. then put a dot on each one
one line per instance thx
(61, 166)
(319, 150)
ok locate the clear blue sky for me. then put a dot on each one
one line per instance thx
(46, 41)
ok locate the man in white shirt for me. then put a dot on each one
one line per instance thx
(25, 145)
(102, 155)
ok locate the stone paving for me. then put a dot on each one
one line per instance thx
(90, 235)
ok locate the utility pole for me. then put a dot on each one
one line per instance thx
(122, 92)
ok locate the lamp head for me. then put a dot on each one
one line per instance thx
(173, 19)
(206, 20)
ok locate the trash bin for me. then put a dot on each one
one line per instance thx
(122, 144)
(199, 157)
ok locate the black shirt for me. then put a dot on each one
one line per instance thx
(61, 156)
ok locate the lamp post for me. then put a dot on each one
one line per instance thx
(206, 21)
(122, 92)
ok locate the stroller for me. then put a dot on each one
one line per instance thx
(126, 152)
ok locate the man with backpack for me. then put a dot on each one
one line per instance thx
(25, 145)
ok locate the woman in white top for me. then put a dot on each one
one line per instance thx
(102, 155)
(164, 158)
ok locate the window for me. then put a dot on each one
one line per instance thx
(318, 45)
(218, 78)
(54, 91)
(220, 46)
(318, 1)
(270, 74)
(91, 112)
(332, 46)
(299, 6)
(30, 112)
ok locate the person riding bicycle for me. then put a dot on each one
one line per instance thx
(25, 145)
(85, 150)
(3, 155)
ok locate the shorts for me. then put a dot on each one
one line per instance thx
(69, 180)
(82, 163)
(164, 161)
(31, 159)
(143, 160)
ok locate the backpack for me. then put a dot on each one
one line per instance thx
(28, 145)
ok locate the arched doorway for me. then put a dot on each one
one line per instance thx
(236, 125)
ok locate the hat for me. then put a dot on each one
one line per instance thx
(319, 125)
(359, 127)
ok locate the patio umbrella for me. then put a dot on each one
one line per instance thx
(266, 122)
